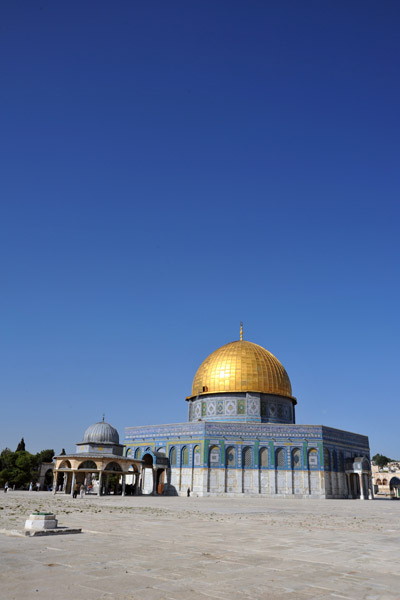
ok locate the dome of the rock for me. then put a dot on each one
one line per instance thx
(241, 366)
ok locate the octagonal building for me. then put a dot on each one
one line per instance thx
(242, 438)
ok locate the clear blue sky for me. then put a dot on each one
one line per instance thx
(169, 169)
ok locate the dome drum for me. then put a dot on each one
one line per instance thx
(242, 407)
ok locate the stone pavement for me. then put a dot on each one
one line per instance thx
(155, 548)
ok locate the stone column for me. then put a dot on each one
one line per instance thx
(55, 473)
(360, 478)
(123, 484)
(371, 487)
(100, 483)
(154, 472)
(73, 482)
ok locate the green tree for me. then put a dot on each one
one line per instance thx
(44, 456)
(21, 445)
(381, 460)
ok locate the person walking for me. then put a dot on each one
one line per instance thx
(76, 490)
(6, 487)
(30, 486)
(82, 491)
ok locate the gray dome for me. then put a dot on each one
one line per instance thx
(101, 433)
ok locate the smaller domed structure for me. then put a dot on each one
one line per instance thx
(101, 433)
(101, 438)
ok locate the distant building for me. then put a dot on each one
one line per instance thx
(241, 438)
(386, 479)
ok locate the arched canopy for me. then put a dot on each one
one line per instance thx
(65, 465)
(394, 483)
(113, 466)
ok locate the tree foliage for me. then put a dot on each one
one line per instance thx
(19, 468)
(21, 445)
(381, 460)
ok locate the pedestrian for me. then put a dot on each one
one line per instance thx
(76, 490)
(37, 486)
(30, 486)
(188, 492)
(82, 491)
(6, 487)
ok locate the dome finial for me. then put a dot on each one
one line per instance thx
(103, 417)
(241, 331)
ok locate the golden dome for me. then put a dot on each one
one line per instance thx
(241, 367)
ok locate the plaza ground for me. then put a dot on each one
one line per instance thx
(156, 548)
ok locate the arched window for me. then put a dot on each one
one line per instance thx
(313, 459)
(327, 460)
(378, 482)
(161, 450)
(263, 458)
(230, 457)
(138, 453)
(128, 451)
(384, 482)
(185, 456)
(196, 456)
(296, 458)
(214, 456)
(247, 458)
(172, 457)
(280, 458)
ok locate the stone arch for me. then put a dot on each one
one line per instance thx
(148, 460)
(65, 464)
(384, 482)
(113, 466)
(88, 464)
(378, 482)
